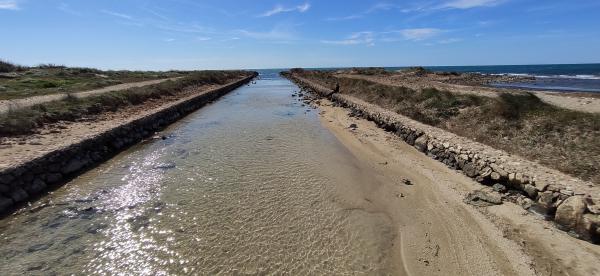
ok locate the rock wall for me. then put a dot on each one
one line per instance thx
(29, 179)
(572, 203)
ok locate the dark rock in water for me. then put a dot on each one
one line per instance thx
(163, 137)
(36, 266)
(483, 198)
(165, 166)
(499, 188)
(39, 247)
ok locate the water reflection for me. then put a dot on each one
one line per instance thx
(249, 185)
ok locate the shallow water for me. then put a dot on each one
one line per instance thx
(252, 184)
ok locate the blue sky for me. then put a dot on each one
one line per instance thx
(227, 34)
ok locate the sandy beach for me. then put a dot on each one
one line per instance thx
(439, 233)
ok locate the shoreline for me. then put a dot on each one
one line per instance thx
(520, 242)
(537, 188)
(35, 169)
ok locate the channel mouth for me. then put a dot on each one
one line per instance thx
(251, 184)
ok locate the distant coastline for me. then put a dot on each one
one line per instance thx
(557, 77)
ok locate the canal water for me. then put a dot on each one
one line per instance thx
(251, 184)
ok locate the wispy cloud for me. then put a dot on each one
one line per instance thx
(449, 40)
(468, 4)
(281, 9)
(341, 18)
(64, 7)
(381, 7)
(117, 14)
(375, 8)
(369, 38)
(184, 28)
(9, 5)
(419, 33)
(280, 33)
(365, 38)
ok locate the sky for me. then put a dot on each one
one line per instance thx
(227, 34)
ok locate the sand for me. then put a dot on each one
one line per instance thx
(439, 233)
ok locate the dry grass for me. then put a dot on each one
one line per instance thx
(519, 124)
(48, 79)
(28, 120)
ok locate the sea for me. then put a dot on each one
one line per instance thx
(555, 77)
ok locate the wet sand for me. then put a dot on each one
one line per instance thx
(441, 235)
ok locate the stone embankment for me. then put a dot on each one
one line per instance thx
(31, 178)
(573, 204)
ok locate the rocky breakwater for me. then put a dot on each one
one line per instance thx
(31, 178)
(573, 204)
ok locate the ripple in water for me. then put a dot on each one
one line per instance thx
(249, 185)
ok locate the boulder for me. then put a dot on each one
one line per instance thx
(499, 188)
(570, 212)
(421, 143)
(37, 186)
(18, 195)
(531, 191)
(495, 176)
(546, 203)
(74, 165)
(470, 169)
(589, 227)
(6, 178)
(53, 178)
(499, 170)
(484, 197)
(525, 202)
(5, 203)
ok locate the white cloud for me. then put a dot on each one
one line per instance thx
(365, 38)
(203, 38)
(419, 33)
(119, 15)
(280, 9)
(9, 5)
(303, 8)
(370, 38)
(381, 7)
(349, 17)
(278, 33)
(449, 40)
(467, 4)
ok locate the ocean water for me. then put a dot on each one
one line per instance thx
(556, 77)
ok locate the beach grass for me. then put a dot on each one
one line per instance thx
(519, 123)
(28, 120)
(46, 79)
